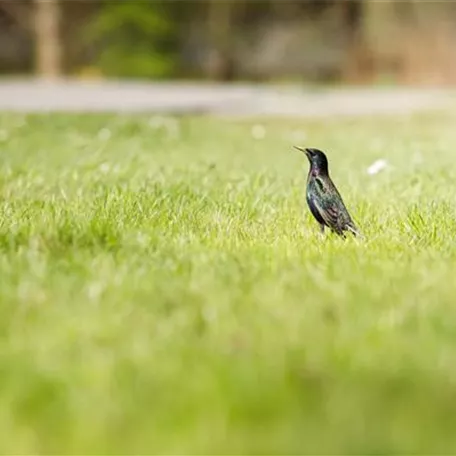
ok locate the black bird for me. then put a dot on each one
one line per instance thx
(323, 198)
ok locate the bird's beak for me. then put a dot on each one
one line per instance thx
(305, 151)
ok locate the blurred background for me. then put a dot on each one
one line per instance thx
(316, 41)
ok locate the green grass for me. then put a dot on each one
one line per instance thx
(163, 287)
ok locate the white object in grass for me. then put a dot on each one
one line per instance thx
(377, 166)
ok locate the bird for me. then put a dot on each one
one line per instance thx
(323, 198)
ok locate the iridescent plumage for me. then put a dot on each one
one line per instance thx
(323, 198)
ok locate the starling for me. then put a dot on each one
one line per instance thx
(323, 198)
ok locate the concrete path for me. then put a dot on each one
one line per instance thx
(237, 99)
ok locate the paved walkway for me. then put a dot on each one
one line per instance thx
(236, 99)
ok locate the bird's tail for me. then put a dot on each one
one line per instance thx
(355, 231)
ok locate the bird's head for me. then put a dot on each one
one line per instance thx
(316, 157)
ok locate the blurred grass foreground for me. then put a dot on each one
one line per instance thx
(158, 298)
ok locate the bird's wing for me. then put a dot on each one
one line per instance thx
(330, 214)
(329, 207)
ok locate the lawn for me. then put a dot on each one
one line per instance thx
(164, 289)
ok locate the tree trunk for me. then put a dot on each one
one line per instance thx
(47, 38)
(220, 64)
